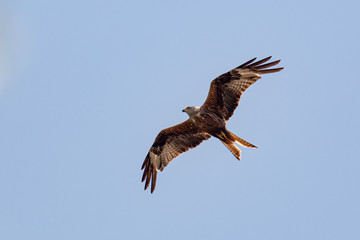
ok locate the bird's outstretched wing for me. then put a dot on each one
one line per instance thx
(226, 90)
(170, 143)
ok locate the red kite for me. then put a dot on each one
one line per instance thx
(207, 120)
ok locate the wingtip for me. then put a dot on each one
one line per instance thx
(255, 64)
(247, 63)
(278, 69)
(143, 177)
(153, 180)
(252, 64)
(269, 70)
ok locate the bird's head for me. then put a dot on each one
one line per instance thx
(191, 110)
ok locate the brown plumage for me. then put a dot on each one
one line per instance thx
(208, 120)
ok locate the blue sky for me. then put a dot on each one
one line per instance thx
(86, 86)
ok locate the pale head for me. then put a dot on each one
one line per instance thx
(191, 110)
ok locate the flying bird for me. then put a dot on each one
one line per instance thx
(207, 120)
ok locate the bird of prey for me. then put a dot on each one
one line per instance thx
(207, 120)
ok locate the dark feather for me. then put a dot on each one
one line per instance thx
(270, 70)
(226, 90)
(259, 62)
(268, 65)
(247, 63)
(170, 143)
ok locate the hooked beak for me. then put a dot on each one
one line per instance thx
(183, 110)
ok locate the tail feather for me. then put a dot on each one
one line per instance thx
(241, 141)
(233, 148)
(229, 139)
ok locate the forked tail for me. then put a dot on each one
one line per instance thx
(233, 148)
(229, 139)
(241, 141)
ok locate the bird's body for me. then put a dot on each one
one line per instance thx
(207, 120)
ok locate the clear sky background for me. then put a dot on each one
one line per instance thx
(86, 86)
